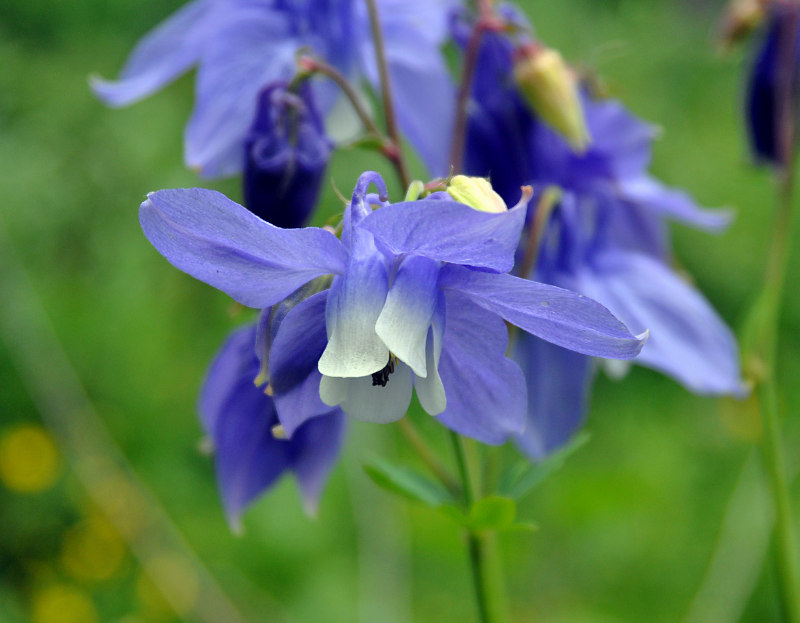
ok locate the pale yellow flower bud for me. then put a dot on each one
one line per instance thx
(550, 87)
(740, 18)
(477, 193)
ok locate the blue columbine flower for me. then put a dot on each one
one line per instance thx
(419, 293)
(241, 421)
(607, 238)
(286, 154)
(506, 142)
(241, 46)
(773, 89)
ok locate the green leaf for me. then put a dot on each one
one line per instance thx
(492, 513)
(404, 481)
(519, 479)
(522, 526)
(367, 141)
(454, 513)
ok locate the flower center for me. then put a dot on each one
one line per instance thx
(381, 377)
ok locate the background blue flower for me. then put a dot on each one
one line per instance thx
(241, 46)
(607, 238)
(286, 156)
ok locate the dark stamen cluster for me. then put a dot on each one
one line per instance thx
(381, 377)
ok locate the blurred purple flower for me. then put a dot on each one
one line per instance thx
(418, 299)
(240, 420)
(241, 46)
(607, 238)
(773, 89)
(286, 156)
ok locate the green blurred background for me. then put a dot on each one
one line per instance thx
(121, 523)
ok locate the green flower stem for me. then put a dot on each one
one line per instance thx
(483, 556)
(759, 345)
(388, 146)
(761, 365)
(785, 542)
(428, 456)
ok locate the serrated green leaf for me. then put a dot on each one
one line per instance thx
(404, 481)
(492, 513)
(519, 479)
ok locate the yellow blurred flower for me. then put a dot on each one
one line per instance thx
(29, 459)
(171, 587)
(61, 603)
(92, 550)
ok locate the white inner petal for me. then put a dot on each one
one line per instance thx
(430, 389)
(373, 403)
(405, 318)
(333, 390)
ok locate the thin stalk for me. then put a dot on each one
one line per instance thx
(462, 99)
(388, 146)
(541, 217)
(316, 65)
(766, 334)
(428, 457)
(767, 390)
(487, 21)
(785, 542)
(396, 154)
(484, 564)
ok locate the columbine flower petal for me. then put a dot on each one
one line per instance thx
(554, 314)
(162, 55)
(250, 49)
(248, 458)
(485, 390)
(314, 450)
(404, 321)
(293, 358)
(214, 239)
(558, 392)
(239, 417)
(430, 388)
(672, 203)
(688, 339)
(355, 302)
(361, 399)
(448, 231)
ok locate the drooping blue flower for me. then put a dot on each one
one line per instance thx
(286, 155)
(241, 46)
(596, 247)
(607, 238)
(773, 89)
(419, 293)
(506, 142)
(240, 420)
